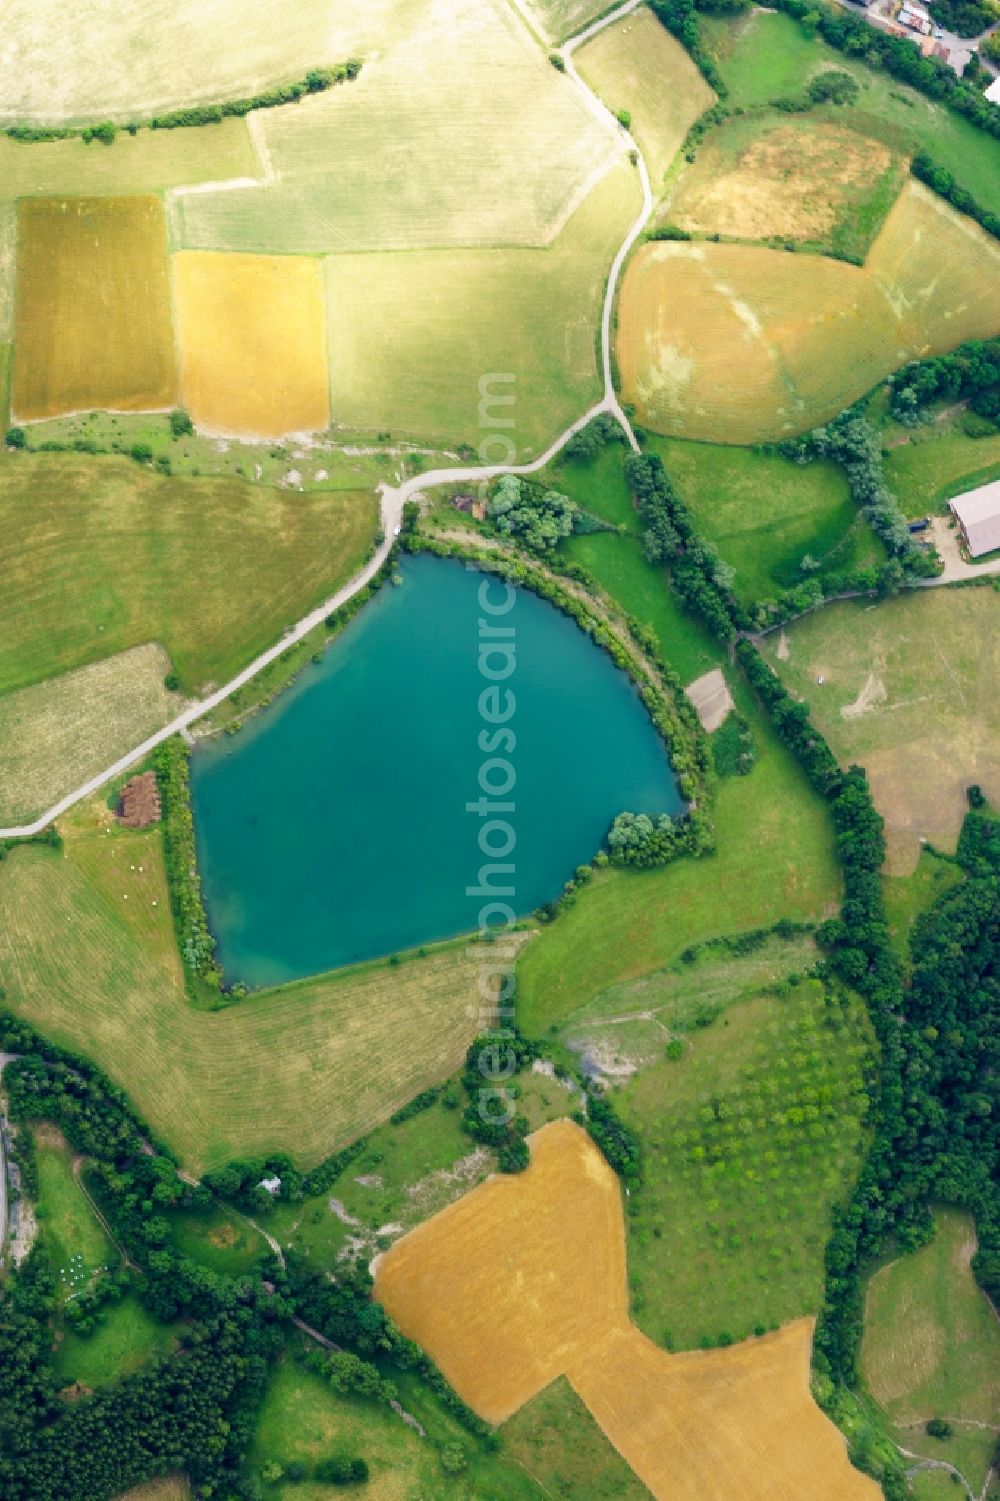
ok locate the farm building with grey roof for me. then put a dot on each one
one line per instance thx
(978, 513)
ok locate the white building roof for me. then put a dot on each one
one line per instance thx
(993, 92)
(979, 514)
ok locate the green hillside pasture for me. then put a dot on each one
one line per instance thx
(125, 1339)
(556, 1440)
(750, 1140)
(765, 56)
(774, 859)
(479, 141)
(909, 692)
(406, 1174)
(413, 335)
(932, 1349)
(77, 1245)
(108, 63)
(217, 1238)
(302, 1419)
(561, 19)
(935, 463)
(150, 162)
(639, 66)
(301, 1069)
(57, 734)
(766, 514)
(806, 178)
(98, 555)
(738, 343)
(627, 1027)
(908, 897)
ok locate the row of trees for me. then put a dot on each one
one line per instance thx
(316, 81)
(946, 185)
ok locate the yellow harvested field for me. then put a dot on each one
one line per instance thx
(507, 1288)
(251, 332)
(639, 66)
(92, 322)
(57, 734)
(524, 1280)
(739, 343)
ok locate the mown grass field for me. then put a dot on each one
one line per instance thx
(303, 1420)
(153, 161)
(932, 1349)
(413, 335)
(774, 859)
(57, 734)
(110, 63)
(502, 1317)
(77, 1245)
(768, 55)
(807, 179)
(909, 692)
(92, 321)
(766, 514)
(98, 556)
(750, 1139)
(639, 66)
(252, 342)
(737, 343)
(479, 141)
(301, 1069)
(124, 1340)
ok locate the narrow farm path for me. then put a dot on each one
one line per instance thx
(77, 1169)
(393, 499)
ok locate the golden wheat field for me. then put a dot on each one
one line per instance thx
(92, 320)
(524, 1280)
(739, 343)
(251, 332)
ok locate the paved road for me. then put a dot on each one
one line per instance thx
(956, 569)
(393, 499)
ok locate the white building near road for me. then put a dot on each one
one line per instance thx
(978, 514)
(993, 92)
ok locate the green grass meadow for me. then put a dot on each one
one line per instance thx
(123, 1341)
(557, 1441)
(766, 514)
(935, 463)
(932, 1349)
(218, 1239)
(774, 858)
(303, 1420)
(750, 1138)
(77, 1245)
(769, 55)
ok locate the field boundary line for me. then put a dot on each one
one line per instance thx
(392, 500)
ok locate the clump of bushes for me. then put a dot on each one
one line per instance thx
(645, 843)
(733, 748)
(538, 518)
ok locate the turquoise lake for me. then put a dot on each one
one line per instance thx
(334, 828)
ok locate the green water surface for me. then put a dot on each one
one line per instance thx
(334, 827)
